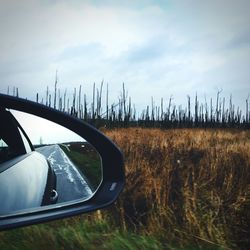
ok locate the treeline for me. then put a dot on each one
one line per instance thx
(215, 113)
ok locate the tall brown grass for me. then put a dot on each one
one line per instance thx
(186, 186)
(185, 189)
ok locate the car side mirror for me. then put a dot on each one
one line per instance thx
(36, 185)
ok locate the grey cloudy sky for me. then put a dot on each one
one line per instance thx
(157, 48)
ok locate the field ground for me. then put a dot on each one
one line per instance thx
(185, 189)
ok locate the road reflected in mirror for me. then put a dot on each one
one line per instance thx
(70, 161)
(43, 163)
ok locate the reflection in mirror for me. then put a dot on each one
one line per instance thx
(43, 163)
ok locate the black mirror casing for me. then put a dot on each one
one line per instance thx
(112, 164)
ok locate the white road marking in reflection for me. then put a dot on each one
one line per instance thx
(51, 159)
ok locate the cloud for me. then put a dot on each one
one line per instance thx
(240, 40)
(149, 52)
(88, 51)
(156, 47)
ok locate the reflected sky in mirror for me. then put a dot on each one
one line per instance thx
(42, 131)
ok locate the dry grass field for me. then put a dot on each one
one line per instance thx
(185, 189)
(186, 186)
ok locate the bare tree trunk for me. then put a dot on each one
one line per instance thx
(55, 91)
(47, 95)
(79, 101)
(93, 103)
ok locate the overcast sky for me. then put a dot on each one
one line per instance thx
(157, 48)
(40, 130)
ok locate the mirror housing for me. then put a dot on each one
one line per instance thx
(112, 164)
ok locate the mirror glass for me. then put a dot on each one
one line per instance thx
(43, 163)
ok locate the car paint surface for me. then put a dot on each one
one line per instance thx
(23, 184)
